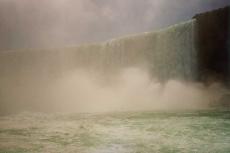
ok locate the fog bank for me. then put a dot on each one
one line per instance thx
(132, 89)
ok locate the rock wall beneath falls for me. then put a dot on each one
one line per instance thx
(213, 44)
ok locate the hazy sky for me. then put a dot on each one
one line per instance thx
(58, 23)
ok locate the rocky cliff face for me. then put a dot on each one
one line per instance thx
(213, 44)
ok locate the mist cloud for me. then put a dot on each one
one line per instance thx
(131, 90)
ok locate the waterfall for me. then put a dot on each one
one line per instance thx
(190, 51)
(168, 54)
(28, 78)
(174, 56)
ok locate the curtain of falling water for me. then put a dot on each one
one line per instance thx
(26, 75)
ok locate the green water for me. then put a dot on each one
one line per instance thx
(136, 132)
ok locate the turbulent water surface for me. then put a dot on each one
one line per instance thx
(140, 132)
